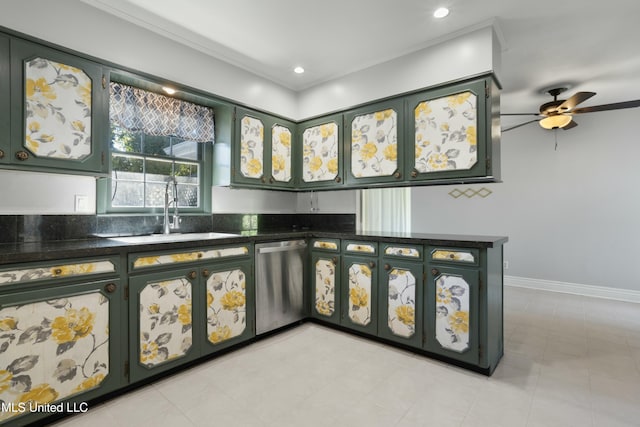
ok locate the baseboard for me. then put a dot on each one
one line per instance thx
(627, 295)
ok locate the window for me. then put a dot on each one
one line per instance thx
(154, 139)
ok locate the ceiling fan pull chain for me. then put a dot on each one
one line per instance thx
(555, 134)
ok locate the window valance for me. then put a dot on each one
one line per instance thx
(138, 110)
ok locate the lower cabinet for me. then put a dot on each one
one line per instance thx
(325, 280)
(60, 341)
(181, 314)
(359, 292)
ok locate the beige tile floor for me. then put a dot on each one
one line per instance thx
(569, 361)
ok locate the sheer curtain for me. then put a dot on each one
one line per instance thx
(385, 209)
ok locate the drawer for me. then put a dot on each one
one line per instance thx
(461, 256)
(144, 261)
(362, 248)
(330, 245)
(408, 252)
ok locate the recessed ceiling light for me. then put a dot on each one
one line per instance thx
(169, 90)
(298, 70)
(441, 12)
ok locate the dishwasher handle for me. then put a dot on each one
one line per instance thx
(272, 249)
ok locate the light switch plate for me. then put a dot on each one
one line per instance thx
(81, 203)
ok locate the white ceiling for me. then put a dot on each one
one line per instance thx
(583, 44)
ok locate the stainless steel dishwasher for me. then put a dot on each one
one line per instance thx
(279, 284)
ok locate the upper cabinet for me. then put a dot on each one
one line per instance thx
(263, 150)
(449, 130)
(373, 139)
(320, 160)
(5, 102)
(59, 110)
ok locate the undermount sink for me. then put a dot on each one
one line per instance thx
(173, 237)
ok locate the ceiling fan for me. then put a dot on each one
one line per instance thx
(558, 114)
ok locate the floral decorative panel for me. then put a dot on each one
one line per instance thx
(452, 312)
(360, 294)
(251, 147)
(57, 110)
(402, 251)
(445, 133)
(356, 247)
(325, 245)
(401, 303)
(50, 350)
(226, 305)
(374, 144)
(320, 153)
(56, 271)
(281, 153)
(325, 287)
(165, 321)
(153, 260)
(453, 256)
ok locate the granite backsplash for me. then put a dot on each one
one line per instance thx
(37, 228)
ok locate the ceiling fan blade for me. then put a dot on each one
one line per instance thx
(571, 125)
(517, 126)
(576, 99)
(607, 107)
(520, 114)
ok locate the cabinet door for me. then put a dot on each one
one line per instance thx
(59, 116)
(449, 129)
(59, 343)
(5, 102)
(325, 282)
(401, 302)
(374, 143)
(228, 304)
(451, 312)
(359, 293)
(263, 155)
(320, 163)
(162, 309)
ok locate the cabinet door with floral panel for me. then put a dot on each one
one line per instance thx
(401, 301)
(59, 343)
(60, 117)
(229, 304)
(321, 160)
(282, 154)
(249, 163)
(359, 294)
(452, 312)
(374, 137)
(449, 132)
(325, 268)
(161, 315)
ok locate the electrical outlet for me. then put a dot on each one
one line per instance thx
(81, 203)
(505, 265)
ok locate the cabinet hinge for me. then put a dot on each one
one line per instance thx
(487, 90)
(104, 81)
(480, 284)
(126, 292)
(488, 164)
(126, 368)
(424, 276)
(424, 339)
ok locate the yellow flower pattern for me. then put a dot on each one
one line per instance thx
(281, 153)
(325, 273)
(57, 110)
(401, 297)
(374, 142)
(219, 334)
(226, 305)
(360, 294)
(320, 153)
(75, 324)
(445, 133)
(251, 147)
(452, 312)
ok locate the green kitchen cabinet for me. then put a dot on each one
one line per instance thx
(325, 280)
(5, 101)
(401, 293)
(59, 111)
(319, 162)
(452, 308)
(375, 143)
(187, 303)
(359, 309)
(61, 335)
(452, 133)
(263, 151)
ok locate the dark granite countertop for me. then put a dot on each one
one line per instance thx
(49, 250)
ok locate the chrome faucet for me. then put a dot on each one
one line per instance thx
(168, 225)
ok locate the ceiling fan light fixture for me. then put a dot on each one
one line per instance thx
(556, 121)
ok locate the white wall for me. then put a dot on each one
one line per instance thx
(229, 200)
(571, 215)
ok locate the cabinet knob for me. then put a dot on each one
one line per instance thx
(435, 272)
(387, 267)
(397, 175)
(338, 179)
(334, 260)
(414, 173)
(372, 264)
(271, 180)
(110, 288)
(205, 273)
(192, 275)
(22, 155)
(1, 154)
(263, 180)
